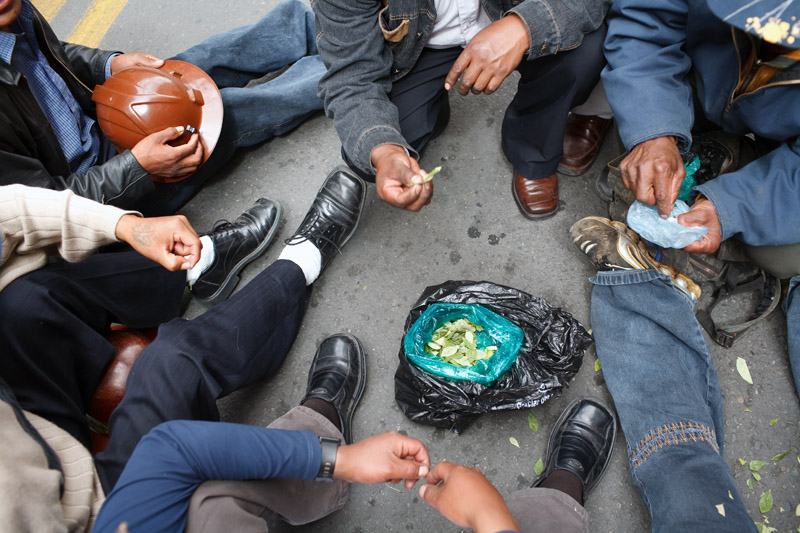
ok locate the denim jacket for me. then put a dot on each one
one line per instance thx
(651, 48)
(366, 44)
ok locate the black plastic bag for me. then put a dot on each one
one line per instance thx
(550, 355)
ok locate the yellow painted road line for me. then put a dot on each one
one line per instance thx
(95, 22)
(49, 8)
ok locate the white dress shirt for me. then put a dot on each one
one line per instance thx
(457, 21)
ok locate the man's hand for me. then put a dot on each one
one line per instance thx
(654, 172)
(135, 59)
(466, 498)
(490, 56)
(160, 159)
(169, 241)
(395, 169)
(703, 213)
(381, 458)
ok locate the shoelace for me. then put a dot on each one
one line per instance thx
(305, 235)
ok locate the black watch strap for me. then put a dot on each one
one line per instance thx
(328, 460)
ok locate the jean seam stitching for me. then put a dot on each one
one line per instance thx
(669, 435)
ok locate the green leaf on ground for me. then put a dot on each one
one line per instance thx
(750, 484)
(742, 461)
(781, 455)
(730, 495)
(597, 365)
(533, 423)
(720, 508)
(765, 501)
(513, 441)
(748, 410)
(797, 510)
(741, 367)
(756, 476)
(538, 468)
(773, 422)
(755, 466)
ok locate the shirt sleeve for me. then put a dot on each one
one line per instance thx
(646, 79)
(108, 64)
(171, 461)
(759, 203)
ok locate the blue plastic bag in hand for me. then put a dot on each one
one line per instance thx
(665, 232)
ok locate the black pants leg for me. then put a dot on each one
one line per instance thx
(533, 127)
(422, 103)
(192, 363)
(55, 320)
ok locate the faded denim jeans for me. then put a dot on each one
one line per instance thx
(660, 373)
(792, 308)
(284, 37)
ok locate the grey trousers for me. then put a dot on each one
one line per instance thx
(547, 510)
(247, 505)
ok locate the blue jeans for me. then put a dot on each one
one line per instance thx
(792, 308)
(666, 391)
(283, 37)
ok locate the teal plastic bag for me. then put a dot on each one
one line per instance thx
(497, 331)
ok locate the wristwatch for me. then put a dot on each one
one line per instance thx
(328, 460)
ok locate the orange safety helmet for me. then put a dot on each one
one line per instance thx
(139, 101)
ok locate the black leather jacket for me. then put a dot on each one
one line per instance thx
(29, 150)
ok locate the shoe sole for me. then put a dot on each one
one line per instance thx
(232, 280)
(527, 215)
(549, 467)
(347, 424)
(638, 257)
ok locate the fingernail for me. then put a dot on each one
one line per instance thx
(422, 490)
(180, 129)
(423, 471)
(185, 266)
(664, 216)
(446, 86)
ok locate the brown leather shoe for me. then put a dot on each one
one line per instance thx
(536, 198)
(582, 139)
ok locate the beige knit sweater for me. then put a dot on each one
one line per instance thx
(35, 223)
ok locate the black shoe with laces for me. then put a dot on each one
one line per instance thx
(334, 215)
(237, 244)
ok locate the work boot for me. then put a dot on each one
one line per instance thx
(611, 245)
(237, 244)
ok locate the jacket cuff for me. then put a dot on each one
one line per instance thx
(371, 139)
(543, 33)
(709, 190)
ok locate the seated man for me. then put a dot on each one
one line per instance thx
(660, 373)
(49, 137)
(390, 67)
(56, 318)
(271, 464)
(743, 60)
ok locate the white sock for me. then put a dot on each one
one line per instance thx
(207, 255)
(305, 255)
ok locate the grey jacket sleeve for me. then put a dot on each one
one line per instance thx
(356, 96)
(559, 25)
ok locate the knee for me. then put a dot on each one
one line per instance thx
(25, 302)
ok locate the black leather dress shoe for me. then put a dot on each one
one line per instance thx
(236, 244)
(334, 215)
(337, 375)
(581, 442)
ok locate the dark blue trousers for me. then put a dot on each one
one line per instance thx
(534, 122)
(54, 349)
